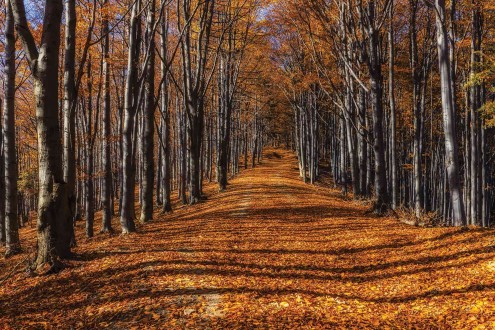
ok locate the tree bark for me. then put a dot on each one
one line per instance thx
(88, 179)
(13, 245)
(68, 110)
(106, 132)
(393, 149)
(195, 83)
(127, 214)
(451, 148)
(54, 219)
(416, 99)
(376, 80)
(165, 120)
(476, 169)
(224, 119)
(149, 120)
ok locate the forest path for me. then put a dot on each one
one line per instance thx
(270, 252)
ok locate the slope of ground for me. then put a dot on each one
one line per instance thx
(271, 252)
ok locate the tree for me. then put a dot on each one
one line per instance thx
(195, 81)
(149, 119)
(13, 245)
(393, 113)
(231, 57)
(68, 109)
(165, 117)
(451, 148)
(106, 131)
(127, 214)
(372, 19)
(53, 227)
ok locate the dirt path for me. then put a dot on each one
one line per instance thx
(271, 252)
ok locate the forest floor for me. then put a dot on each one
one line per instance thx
(271, 252)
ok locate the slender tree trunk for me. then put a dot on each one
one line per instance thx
(451, 149)
(475, 170)
(13, 245)
(69, 111)
(195, 133)
(167, 150)
(393, 149)
(363, 145)
(149, 121)
(351, 144)
(417, 81)
(127, 214)
(224, 121)
(106, 132)
(88, 181)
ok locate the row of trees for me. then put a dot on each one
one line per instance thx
(397, 96)
(159, 93)
(394, 95)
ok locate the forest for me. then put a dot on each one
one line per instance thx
(244, 164)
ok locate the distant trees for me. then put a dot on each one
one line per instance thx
(422, 126)
(124, 132)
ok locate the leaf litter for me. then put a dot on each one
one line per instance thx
(270, 252)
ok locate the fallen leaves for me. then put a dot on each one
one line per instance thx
(270, 252)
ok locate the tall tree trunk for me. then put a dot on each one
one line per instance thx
(476, 168)
(88, 180)
(224, 118)
(195, 134)
(363, 145)
(54, 219)
(351, 142)
(376, 79)
(13, 245)
(106, 132)
(451, 148)
(165, 120)
(149, 120)
(127, 214)
(195, 81)
(416, 99)
(393, 149)
(69, 109)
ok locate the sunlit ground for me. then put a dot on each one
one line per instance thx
(271, 252)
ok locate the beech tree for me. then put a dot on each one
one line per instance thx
(196, 79)
(127, 213)
(231, 57)
(68, 108)
(149, 119)
(451, 148)
(9, 143)
(54, 220)
(107, 202)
